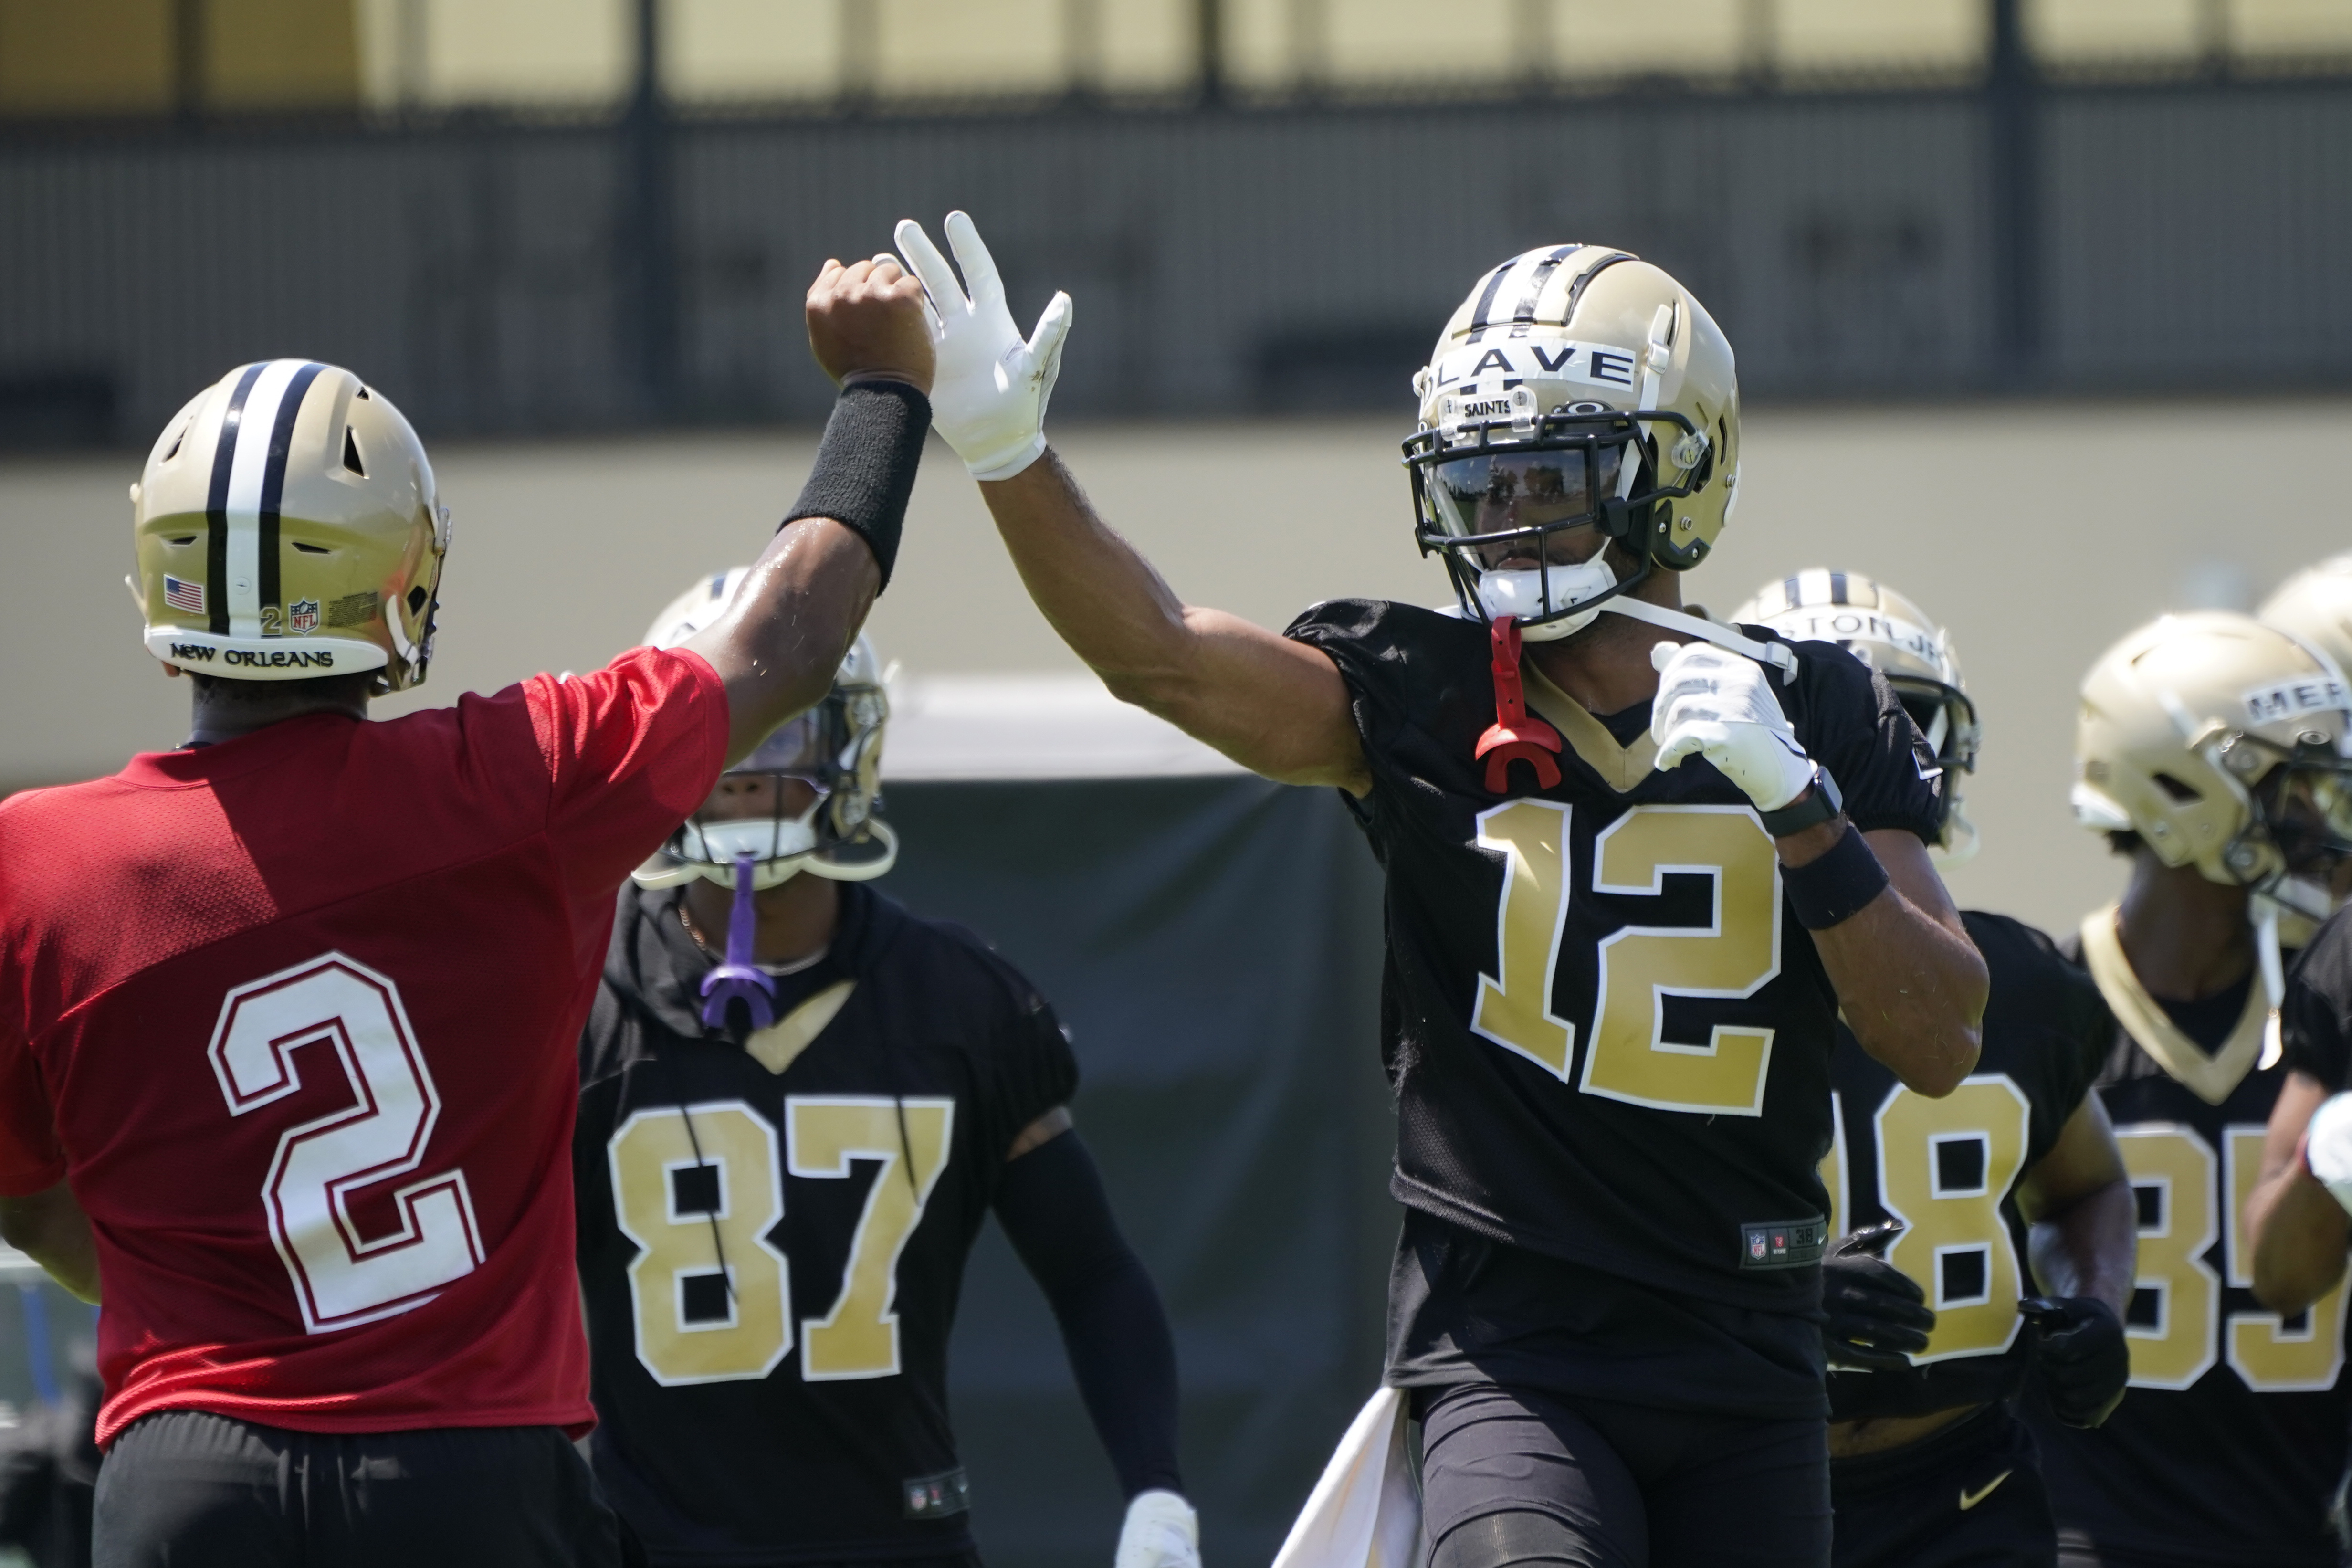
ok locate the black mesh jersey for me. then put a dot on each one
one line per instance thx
(2316, 1019)
(792, 1409)
(1948, 1169)
(2230, 1441)
(1608, 1035)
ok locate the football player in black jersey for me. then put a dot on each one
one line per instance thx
(2299, 1227)
(1636, 862)
(2017, 1169)
(2209, 749)
(798, 1101)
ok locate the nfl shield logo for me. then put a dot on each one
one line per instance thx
(1756, 1246)
(303, 615)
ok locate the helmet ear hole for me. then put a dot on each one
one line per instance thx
(351, 453)
(416, 599)
(2179, 790)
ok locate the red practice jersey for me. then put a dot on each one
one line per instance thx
(297, 1016)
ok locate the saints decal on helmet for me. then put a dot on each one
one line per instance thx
(2314, 607)
(2221, 743)
(834, 748)
(1895, 638)
(286, 528)
(1579, 396)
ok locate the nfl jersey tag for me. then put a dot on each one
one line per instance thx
(1783, 1243)
(935, 1497)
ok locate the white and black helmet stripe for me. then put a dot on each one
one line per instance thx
(248, 483)
(1523, 317)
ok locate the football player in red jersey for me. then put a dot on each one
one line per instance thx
(287, 1041)
(1636, 863)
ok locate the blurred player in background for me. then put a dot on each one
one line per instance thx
(2017, 1169)
(2296, 1216)
(798, 1103)
(291, 1010)
(2209, 751)
(1625, 901)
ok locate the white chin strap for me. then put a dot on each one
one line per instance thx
(1520, 594)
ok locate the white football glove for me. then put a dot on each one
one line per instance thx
(2327, 1147)
(1161, 1531)
(1717, 704)
(989, 388)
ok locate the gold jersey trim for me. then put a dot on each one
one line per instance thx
(2209, 1079)
(1620, 767)
(780, 1045)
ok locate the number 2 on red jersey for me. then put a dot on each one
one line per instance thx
(342, 1279)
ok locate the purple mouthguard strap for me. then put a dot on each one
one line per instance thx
(738, 979)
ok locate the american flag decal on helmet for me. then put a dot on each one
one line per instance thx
(188, 597)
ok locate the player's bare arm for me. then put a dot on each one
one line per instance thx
(2299, 1229)
(49, 1228)
(2077, 1199)
(789, 624)
(1911, 984)
(1273, 706)
(1276, 706)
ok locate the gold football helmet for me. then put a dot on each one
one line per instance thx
(1577, 386)
(2221, 743)
(1895, 636)
(2315, 605)
(835, 748)
(286, 527)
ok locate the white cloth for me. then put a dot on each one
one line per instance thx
(1365, 1512)
(2328, 1146)
(989, 388)
(1718, 705)
(1161, 1531)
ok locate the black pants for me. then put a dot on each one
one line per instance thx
(1513, 1475)
(1969, 1497)
(185, 1489)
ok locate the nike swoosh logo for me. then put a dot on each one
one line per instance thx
(1970, 1499)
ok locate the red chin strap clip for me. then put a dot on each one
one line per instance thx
(1515, 735)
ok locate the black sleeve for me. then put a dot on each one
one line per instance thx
(1854, 726)
(1058, 1217)
(2316, 1018)
(1030, 1068)
(1353, 635)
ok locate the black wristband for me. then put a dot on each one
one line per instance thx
(1834, 887)
(866, 465)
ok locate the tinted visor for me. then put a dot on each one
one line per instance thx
(1528, 493)
(2308, 807)
(807, 747)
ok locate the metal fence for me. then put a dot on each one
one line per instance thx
(499, 276)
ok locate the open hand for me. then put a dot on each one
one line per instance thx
(989, 403)
(866, 322)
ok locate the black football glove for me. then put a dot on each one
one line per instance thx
(2085, 1359)
(1876, 1312)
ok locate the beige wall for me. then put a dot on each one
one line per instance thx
(2040, 533)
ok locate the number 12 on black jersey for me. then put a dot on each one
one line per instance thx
(1629, 1057)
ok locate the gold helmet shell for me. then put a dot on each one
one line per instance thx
(2193, 730)
(1579, 345)
(1894, 636)
(286, 528)
(2316, 607)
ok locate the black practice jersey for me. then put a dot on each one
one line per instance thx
(840, 1162)
(1948, 1169)
(1608, 1035)
(2316, 1019)
(2229, 1444)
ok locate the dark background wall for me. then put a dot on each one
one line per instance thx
(499, 276)
(1212, 945)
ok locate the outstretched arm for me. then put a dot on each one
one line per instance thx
(1277, 706)
(2299, 1229)
(783, 637)
(1274, 706)
(49, 1228)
